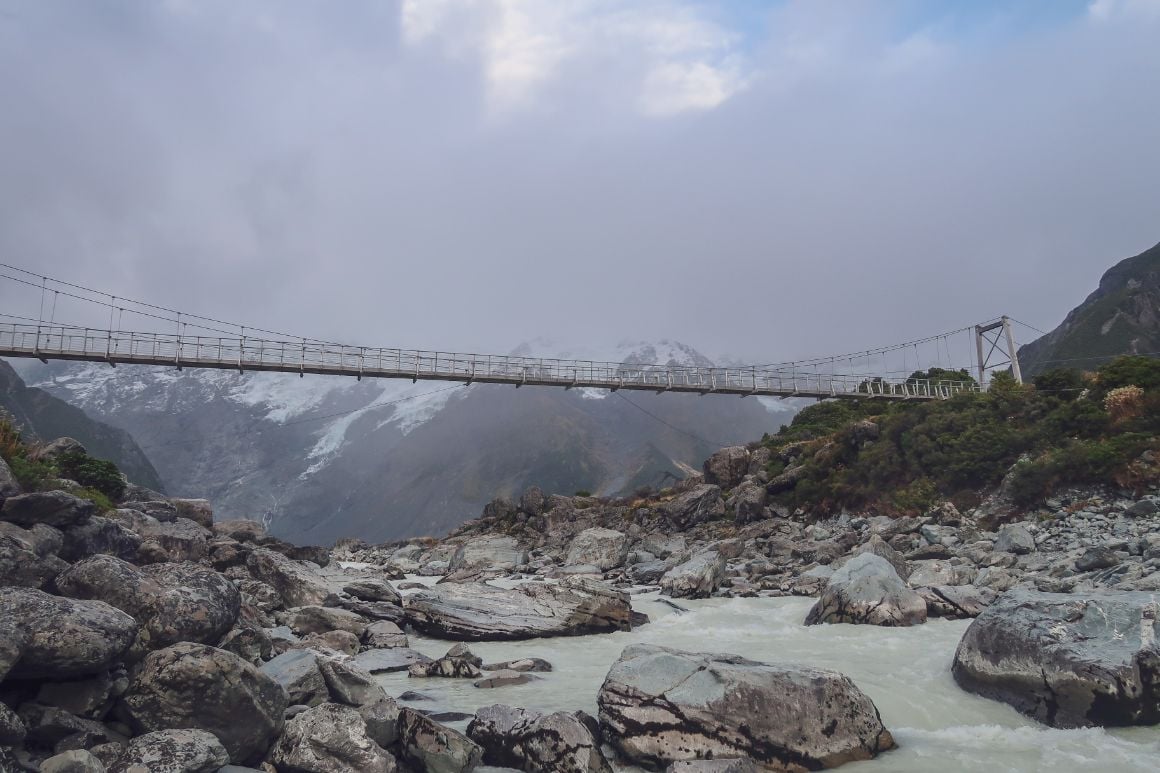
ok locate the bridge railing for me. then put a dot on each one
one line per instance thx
(68, 342)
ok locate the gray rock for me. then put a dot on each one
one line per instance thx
(182, 540)
(12, 730)
(1143, 508)
(479, 612)
(436, 748)
(197, 510)
(242, 531)
(603, 548)
(173, 602)
(663, 545)
(330, 739)
(492, 552)
(504, 678)
(382, 721)
(373, 590)
(954, 602)
(297, 584)
(538, 743)
(99, 535)
(350, 684)
(748, 502)
(384, 634)
(727, 467)
(389, 660)
(1098, 557)
(1014, 538)
(696, 578)
(49, 726)
(867, 590)
(54, 508)
(23, 568)
(940, 572)
(699, 504)
(1066, 660)
(63, 638)
(74, 761)
(89, 698)
(880, 548)
(9, 486)
(249, 643)
(298, 672)
(538, 665)
(659, 706)
(737, 765)
(174, 751)
(194, 686)
(317, 619)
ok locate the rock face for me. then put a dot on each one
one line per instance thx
(434, 748)
(867, 590)
(195, 686)
(62, 638)
(538, 743)
(174, 751)
(330, 739)
(1065, 660)
(701, 503)
(696, 578)
(659, 706)
(488, 553)
(603, 548)
(478, 612)
(54, 508)
(173, 602)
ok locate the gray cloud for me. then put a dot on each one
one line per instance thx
(816, 182)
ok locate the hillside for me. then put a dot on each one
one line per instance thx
(40, 415)
(1121, 317)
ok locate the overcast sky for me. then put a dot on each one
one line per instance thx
(767, 180)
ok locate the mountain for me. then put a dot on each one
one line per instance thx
(40, 415)
(318, 458)
(1121, 317)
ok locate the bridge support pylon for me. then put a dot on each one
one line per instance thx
(997, 337)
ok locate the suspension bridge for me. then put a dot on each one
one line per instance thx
(202, 342)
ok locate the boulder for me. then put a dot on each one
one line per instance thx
(696, 578)
(330, 739)
(173, 602)
(12, 730)
(735, 765)
(389, 660)
(479, 612)
(174, 751)
(182, 540)
(880, 548)
(748, 502)
(49, 726)
(699, 504)
(659, 706)
(316, 619)
(349, 683)
(491, 552)
(242, 531)
(73, 761)
(200, 511)
(955, 602)
(296, 583)
(603, 548)
(88, 698)
(102, 536)
(538, 665)
(383, 634)
(504, 678)
(343, 642)
(24, 568)
(867, 590)
(435, 748)
(9, 486)
(54, 508)
(940, 572)
(249, 643)
(199, 687)
(458, 663)
(382, 721)
(298, 672)
(1067, 660)
(727, 467)
(538, 743)
(1014, 538)
(1098, 557)
(373, 590)
(62, 638)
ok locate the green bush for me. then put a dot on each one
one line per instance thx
(96, 474)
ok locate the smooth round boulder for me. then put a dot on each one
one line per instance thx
(63, 638)
(196, 686)
(1067, 660)
(659, 705)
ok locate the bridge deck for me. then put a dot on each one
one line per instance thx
(285, 356)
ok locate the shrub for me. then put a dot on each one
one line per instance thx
(1124, 403)
(96, 474)
(583, 493)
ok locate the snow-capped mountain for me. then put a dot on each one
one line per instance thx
(319, 458)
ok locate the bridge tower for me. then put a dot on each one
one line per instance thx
(1001, 340)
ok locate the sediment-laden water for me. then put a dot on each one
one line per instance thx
(906, 671)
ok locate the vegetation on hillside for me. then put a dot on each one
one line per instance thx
(100, 480)
(1066, 428)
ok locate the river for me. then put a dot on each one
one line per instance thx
(906, 671)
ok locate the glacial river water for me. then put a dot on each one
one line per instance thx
(906, 671)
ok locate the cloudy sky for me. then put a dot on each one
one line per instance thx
(764, 179)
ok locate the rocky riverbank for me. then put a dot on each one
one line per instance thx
(150, 637)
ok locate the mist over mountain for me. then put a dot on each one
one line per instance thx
(319, 458)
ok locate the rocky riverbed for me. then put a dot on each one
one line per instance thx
(696, 629)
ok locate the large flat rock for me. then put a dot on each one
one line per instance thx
(480, 612)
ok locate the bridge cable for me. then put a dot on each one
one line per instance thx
(698, 438)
